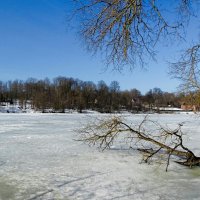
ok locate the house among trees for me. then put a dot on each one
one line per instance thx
(188, 107)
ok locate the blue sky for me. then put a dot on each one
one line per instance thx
(35, 41)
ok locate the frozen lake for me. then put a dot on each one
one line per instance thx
(40, 159)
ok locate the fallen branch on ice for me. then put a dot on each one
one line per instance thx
(149, 138)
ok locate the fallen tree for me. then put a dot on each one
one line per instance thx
(149, 138)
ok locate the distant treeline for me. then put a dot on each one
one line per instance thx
(68, 93)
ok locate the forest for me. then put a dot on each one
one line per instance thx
(63, 93)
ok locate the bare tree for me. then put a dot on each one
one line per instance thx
(128, 30)
(149, 137)
(187, 69)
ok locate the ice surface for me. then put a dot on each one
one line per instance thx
(40, 159)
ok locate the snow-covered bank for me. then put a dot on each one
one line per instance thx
(16, 108)
(10, 109)
(39, 159)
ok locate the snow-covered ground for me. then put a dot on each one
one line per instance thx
(40, 159)
(7, 108)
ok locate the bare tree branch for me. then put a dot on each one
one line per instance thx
(149, 137)
(187, 69)
(127, 30)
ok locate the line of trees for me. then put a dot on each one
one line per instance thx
(68, 93)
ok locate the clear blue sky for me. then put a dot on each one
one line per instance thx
(35, 41)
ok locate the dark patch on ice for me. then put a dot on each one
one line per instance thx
(2, 163)
(7, 192)
(122, 196)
